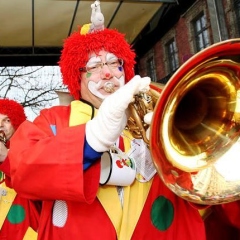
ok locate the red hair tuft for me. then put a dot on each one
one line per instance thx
(13, 110)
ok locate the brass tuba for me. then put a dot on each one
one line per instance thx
(195, 130)
(143, 103)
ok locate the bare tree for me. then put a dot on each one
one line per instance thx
(33, 87)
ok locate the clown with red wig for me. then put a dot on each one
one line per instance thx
(18, 216)
(57, 157)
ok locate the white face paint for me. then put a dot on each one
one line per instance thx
(95, 88)
(92, 84)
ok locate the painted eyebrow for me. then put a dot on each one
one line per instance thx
(94, 61)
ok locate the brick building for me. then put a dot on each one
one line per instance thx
(201, 24)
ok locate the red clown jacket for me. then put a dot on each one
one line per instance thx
(47, 156)
(17, 214)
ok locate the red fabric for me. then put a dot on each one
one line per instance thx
(61, 168)
(186, 222)
(22, 214)
(63, 175)
(59, 175)
(5, 168)
(121, 144)
(85, 221)
(223, 223)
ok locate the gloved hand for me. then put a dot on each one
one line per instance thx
(103, 130)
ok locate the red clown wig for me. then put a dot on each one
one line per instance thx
(13, 110)
(76, 50)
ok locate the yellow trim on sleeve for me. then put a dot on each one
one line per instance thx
(6, 202)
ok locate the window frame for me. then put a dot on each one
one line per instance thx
(200, 31)
(151, 69)
(172, 55)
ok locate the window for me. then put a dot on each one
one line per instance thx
(172, 55)
(237, 12)
(200, 32)
(151, 69)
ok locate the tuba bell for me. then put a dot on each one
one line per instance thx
(195, 129)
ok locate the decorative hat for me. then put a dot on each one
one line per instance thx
(93, 37)
(13, 110)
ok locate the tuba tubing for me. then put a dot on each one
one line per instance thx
(142, 104)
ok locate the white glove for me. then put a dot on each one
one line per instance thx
(148, 119)
(103, 130)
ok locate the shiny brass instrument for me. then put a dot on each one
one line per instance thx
(3, 137)
(195, 129)
(143, 103)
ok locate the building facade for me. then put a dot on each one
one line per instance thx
(204, 23)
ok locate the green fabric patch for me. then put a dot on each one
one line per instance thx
(16, 214)
(162, 213)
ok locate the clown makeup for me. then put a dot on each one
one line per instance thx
(6, 126)
(104, 75)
